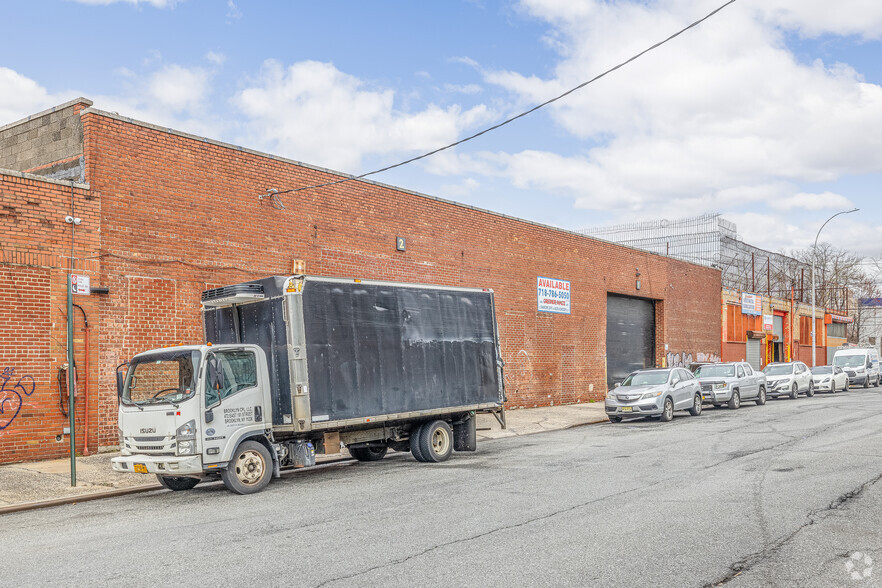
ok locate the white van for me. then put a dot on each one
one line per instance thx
(861, 365)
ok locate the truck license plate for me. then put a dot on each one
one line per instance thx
(140, 468)
(627, 409)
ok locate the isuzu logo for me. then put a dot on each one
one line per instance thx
(147, 430)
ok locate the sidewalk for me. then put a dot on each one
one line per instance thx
(47, 483)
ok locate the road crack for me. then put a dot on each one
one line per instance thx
(746, 564)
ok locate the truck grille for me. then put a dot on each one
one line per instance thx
(152, 445)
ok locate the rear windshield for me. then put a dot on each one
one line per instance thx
(646, 378)
(715, 371)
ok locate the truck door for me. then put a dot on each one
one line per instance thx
(234, 401)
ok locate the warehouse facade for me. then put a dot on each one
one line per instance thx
(166, 215)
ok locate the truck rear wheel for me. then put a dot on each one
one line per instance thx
(436, 441)
(250, 470)
(177, 483)
(415, 442)
(368, 453)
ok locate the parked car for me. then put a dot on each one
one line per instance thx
(654, 393)
(861, 365)
(829, 378)
(788, 379)
(730, 383)
(695, 365)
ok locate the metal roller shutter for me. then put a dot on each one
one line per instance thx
(630, 336)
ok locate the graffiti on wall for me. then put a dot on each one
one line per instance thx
(684, 359)
(12, 395)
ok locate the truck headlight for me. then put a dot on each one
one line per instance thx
(720, 386)
(185, 438)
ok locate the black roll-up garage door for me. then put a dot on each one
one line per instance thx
(630, 336)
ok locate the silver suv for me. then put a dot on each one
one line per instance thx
(730, 383)
(789, 379)
(654, 393)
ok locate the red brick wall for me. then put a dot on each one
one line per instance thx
(34, 253)
(181, 215)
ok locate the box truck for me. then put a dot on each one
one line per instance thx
(299, 365)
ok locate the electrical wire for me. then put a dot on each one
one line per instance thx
(274, 194)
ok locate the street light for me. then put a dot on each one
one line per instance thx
(814, 255)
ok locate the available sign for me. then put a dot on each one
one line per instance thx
(751, 304)
(553, 295)
(79, 284)
(768, 322)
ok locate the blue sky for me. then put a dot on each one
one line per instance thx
(770, 112)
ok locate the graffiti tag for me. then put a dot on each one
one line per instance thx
(684, 359)
(12, 397)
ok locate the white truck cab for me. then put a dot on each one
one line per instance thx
(183, 411)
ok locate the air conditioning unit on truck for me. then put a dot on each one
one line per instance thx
(295, 366)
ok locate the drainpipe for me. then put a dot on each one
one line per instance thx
(85, 382)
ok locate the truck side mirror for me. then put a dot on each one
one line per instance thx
(617, 384)
(120, 379)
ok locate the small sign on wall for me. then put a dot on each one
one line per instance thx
(768, 322)
(751, 304)
(553, 295)
(79, 284)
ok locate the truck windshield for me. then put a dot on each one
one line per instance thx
(850, 360)
(168, 377)
(716, 371)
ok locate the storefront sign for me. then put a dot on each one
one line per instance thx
(838, 318)
(751, 304)
(79, 284)
(768, 322)
(553, 295)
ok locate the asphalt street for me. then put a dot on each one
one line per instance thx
(786, 494)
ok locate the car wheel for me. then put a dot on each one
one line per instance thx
(811, 389)
(845, 388)
(667, 411)
(696, 405)
(735, 401)
(794, 391)
(761, 397)
(250, 470)
(615, 419)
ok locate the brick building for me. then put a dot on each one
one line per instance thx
(166, 215)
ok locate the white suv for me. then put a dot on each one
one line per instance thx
(789, 379)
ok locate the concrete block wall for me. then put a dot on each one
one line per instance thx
(47, 143)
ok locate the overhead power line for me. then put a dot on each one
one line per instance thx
(273, 194)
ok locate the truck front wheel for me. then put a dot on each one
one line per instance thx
(250, 470)
(177, 483)
(435, 441)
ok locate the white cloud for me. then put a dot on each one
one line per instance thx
(215, 58)
(21, 96)
(314, 112)
(179, 88)
(823, 201)
(721, 113)
(812, 18)
(233, 11)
